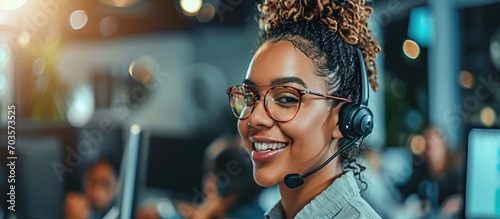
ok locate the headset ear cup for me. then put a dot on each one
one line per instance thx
(355, 121)
(346, 114)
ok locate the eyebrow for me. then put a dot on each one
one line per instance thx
(280, 81)
(248, 82)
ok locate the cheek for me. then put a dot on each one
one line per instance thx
(242, 128)
(306, 128)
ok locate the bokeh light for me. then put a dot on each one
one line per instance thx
(24, 38)
(191, 7)
(143, 69)
(417, 144)
(78, 19)
(108, 25)
(411, 49)
(466, 79)
(81, 106)
(488, 116)
(206, 14)
(38, 66)
(11, 5)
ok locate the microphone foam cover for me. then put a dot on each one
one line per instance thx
(293, 181)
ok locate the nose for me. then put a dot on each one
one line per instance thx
(260, 118)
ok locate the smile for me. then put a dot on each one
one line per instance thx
(265, 147)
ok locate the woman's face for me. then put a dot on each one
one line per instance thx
(308, 136)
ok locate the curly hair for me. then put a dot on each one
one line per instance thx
(329, 32)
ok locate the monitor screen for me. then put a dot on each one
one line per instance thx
(174, 164)
(482, 198)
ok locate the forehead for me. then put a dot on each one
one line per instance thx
(279, 60)
(101, 168)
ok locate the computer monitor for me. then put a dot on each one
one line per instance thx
(171, 164)
(482, 183)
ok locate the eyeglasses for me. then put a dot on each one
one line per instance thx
(282, 103)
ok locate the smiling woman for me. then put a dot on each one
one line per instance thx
(313, 59)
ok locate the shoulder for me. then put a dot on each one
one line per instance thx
(352, 203)
(342, 199)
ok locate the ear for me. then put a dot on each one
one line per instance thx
(334, 122)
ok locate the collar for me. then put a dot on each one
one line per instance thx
(337, 195)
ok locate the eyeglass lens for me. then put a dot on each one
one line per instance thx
(281, 103)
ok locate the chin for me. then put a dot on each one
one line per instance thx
(266, 179)
(100, 205)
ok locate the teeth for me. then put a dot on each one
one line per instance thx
(260, 146)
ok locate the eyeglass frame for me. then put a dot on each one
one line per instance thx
(257, 98)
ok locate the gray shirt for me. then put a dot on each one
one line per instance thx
(340, 200)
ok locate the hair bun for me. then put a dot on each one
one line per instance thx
(348, 18)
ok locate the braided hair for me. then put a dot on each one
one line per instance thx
(329, 32)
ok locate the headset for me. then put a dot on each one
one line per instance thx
(355, 123)
(356, 119)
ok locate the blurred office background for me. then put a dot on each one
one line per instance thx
(80, 73)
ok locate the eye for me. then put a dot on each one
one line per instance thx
(288, 100)
(285, 97)
(248, 97)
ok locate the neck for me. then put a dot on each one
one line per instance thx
(293, 200)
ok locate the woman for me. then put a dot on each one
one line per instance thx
(306, 67)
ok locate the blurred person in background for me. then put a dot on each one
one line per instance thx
(384, 171)
(435, 180)
(100, 184)
(228, 185)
